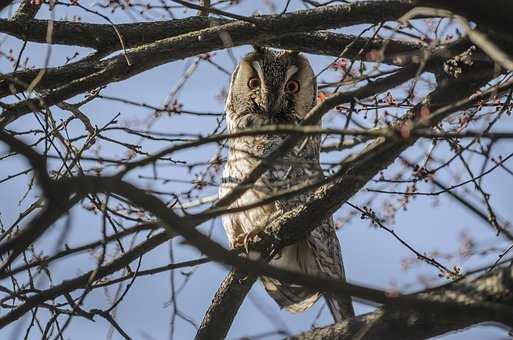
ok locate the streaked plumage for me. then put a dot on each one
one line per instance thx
(270, 87)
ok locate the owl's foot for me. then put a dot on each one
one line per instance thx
(243, 240)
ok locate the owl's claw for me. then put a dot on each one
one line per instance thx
(243, 240)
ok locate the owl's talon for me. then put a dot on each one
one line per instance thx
(246, 241)
(243, 240)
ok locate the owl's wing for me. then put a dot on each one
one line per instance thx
(323, 239)
(326, 248)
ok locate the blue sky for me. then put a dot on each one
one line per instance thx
(372, 257)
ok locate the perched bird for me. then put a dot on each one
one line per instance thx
(279, 87)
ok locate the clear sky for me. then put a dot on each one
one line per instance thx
(372, 257)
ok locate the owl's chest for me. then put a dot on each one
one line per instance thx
(298, 166)
(248, 152)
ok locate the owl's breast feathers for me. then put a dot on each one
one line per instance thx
(298, 167)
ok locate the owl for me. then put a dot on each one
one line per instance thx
(278, 87)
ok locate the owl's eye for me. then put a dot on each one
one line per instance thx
(292, 86)
(253, 83)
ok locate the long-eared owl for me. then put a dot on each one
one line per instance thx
(279, 87)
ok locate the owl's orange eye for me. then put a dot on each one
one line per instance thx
(253, 83)
(292, 86)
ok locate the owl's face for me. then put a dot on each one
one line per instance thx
(269, 87)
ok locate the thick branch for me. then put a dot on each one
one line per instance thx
(219, 316)
(495, 286)
(396, 52)
(103, 36)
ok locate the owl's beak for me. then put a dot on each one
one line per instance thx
(271, 104)
(267, 103)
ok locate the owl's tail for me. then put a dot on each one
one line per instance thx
(292, 297)
(295, 298)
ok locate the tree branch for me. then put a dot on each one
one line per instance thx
(414, 324)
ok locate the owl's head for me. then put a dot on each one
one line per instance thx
(270, 87)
